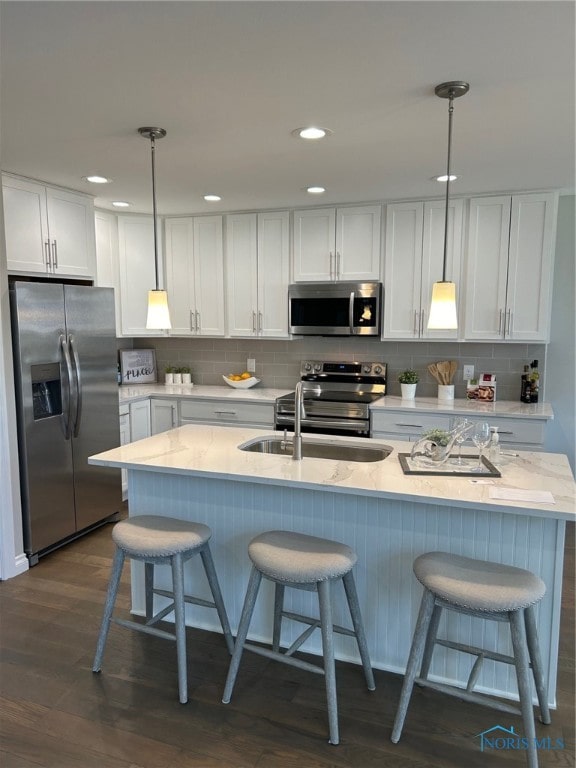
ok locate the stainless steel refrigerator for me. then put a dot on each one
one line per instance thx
(65, 360)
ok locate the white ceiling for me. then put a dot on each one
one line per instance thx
(229, 81)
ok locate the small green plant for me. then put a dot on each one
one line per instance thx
(184, 369)
(170, 369)
(408, 377)
(438, 436)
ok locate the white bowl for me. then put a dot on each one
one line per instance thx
(243, 383)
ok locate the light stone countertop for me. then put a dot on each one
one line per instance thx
(199, 450)
(505, 408)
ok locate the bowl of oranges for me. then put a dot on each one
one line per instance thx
(241, 380)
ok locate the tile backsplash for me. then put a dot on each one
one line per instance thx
(278, 362)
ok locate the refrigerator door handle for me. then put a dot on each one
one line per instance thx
(66, 411)
(78, 382)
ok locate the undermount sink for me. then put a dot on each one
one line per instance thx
(315, 449)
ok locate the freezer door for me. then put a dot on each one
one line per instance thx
(95, 425)
(42, 397)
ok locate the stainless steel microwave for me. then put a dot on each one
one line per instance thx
(335, 309)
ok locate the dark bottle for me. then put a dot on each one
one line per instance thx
(525, 386)
(534, 381)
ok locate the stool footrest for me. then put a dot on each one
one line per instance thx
(307, 620)
(475, 698)
(187, 598)
(144, 628)
(285, 659)
(474, 651)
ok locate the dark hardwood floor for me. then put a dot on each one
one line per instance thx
(56, 713)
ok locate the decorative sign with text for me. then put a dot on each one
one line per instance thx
(138, 366)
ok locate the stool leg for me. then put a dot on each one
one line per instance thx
(326, 627)
(149, 589)
(430, 640)
(180, 626)
(278, 608)
(210, 570)
(116, 573)
(522, 664)
(354, 606)
(414, 662)
(245, 618)
(536, 659)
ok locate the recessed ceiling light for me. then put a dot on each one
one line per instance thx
(121, 204)
(445, 178)
(212, 198)
(315, 190)
(97, 179)
(312, 132)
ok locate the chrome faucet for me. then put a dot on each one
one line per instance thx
(299, 414)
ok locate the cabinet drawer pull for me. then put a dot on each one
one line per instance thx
(227, 413)
(400, 424)
(504, 432)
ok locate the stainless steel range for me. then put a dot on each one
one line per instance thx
(337, 396)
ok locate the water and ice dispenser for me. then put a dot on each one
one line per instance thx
(46, 390)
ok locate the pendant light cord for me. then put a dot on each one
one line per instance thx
(154, 209)
(450, 112)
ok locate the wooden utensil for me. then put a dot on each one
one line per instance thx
(433, 370)
(453, 369)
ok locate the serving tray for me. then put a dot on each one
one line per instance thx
(410, 467)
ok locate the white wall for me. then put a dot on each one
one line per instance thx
(561, 354)
(12, 558)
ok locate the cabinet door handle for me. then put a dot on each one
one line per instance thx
(509, 323)
(55, 254)
(500, 332)
(331, 266)
(47, 255)
(192, 327)
(338, 264)
(259, 322)
(254, 322)
(197, 322)
(421, 322)
(415, 323)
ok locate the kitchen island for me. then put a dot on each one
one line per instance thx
(199, 473)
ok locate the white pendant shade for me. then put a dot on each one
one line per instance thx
(158, 312)
(443, 315)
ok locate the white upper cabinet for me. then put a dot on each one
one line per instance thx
(137, 273)
(337, 244)
(48, 230)
(257, 274)
(195, 275)
(107, 265)
(509, 267)
(413, 262)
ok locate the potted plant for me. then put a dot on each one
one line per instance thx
(169, 374)
(177, 375)
(186, 375)
(408, 380)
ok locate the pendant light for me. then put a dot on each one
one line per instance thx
(443, 315)
(158, 312)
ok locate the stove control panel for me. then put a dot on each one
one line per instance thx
(328, 369)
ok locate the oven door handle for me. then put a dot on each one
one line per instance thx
(351, 312)
(349, 424)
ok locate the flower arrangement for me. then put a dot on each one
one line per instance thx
(408, 377)
(438, 436)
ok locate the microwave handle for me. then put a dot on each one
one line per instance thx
(351, 312)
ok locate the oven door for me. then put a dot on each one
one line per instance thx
(326, 426)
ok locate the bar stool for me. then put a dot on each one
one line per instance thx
(313, 564)
(488, 591)
(157, 540)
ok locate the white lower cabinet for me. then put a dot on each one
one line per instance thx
(163, 415)
(139, 420)
(124, 439)
(515, 432)
(226, 412)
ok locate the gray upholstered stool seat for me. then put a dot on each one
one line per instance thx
(295, 557)
(157, 540)
(303, 562)
(490, 591)
(477, 584)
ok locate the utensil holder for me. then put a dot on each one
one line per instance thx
(445, 391)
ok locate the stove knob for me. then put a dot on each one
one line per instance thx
(307, 367)
(378, 370)
(367, 368)
(317, 367)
